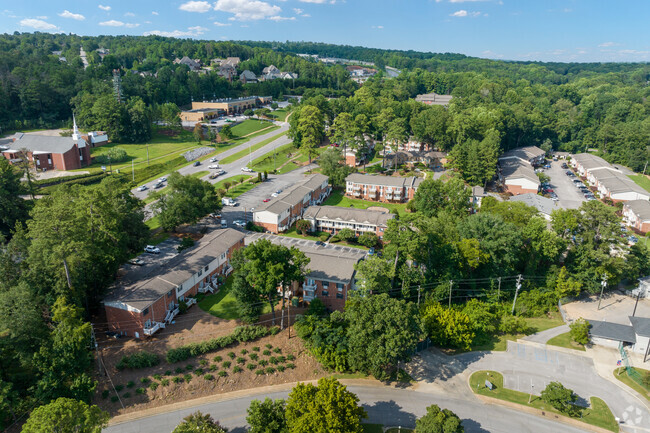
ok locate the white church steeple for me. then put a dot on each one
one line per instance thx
(75, 131)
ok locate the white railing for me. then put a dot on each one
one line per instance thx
(190, 301)
(152, 329)
(308, 295)
(228, 270)
(171, 314)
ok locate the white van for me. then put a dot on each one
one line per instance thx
(224, 224)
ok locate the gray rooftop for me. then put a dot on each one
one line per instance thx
(526, 153)
(515, 169)
(293, 195)
(249, 75)
(542, 204)
(641, 209)
(330, 262)
(612, 331)
(434, 98)
(641, 326)
(141, 287)
(589, 161)
(362, 216)
(42, 143)
(384, 180)
(617, 182)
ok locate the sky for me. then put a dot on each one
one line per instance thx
(543, 30)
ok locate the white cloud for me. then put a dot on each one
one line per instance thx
(154, 13)
(131, 25)
(115, 23)
(460, 13)
(196, 6)
(319, 1)
(219, 24)
(279, 18)
(37, 24)
(190, 33)
(298, 10)
(378, 27)
(608, 44)
(104, 8)
(67, 14)
(248, 10)
(129, 14)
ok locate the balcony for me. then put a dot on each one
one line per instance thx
(308, 295)
(153, 328)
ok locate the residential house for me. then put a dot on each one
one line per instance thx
(636, 213)
(434, 99)
(332, 274)
(281, 212)
(248, 77)
(387, 189)
(288, 76)
(272, 70)
(194, 65)
(103, 52)
(146, 299)
(531, 155)
(545, 206)
(227, 71)
(231, 61)
(332, 219)
(478, 193)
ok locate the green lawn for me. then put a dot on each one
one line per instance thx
(244, 152)
(372, 428)
(621, 374)
(153, 223)
(565, 340)
(598, 414)
(641, 180)
(239, 189)
(279, 114)
(249, 126)
(293, 234)
(338, 199)
(282, 155)
(223, 304)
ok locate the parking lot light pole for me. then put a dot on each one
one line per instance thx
(603, 284)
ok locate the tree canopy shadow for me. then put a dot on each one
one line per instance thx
(389, 413)
(471, 426)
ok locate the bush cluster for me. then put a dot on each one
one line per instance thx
(241, 334)
(142, 359)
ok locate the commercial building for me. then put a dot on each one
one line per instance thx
(206, 110)
(434, 99)
(146, 299)
(332, 273)
(634, 337)
(282, 211)
(517, 172)
(332, 219)
(636, 213)
(387, 189)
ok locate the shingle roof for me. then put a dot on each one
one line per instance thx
(589, 161)
(542, 204)
(294, 195)
(249, 75)
(617, 182)
(141, 287)
(526, 153)
(641, 326)
(612, 331)
(516, 169)
(641, 209)
(335, 213)
(434, 98)
(43, 143)
(383, 180)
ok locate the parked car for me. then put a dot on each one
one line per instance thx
(633, 239)
(320, 243)
(113, 334)
(196, 163)
(137, 262)
(163, 179)
(239, 223)
(159, 185)
(214, 166)
(569, 173)
(564, 165)
(213, 176)
(549, 190)
(554, 197)
(151, 249)
(143, 188)
(266, 200)
(213, 160)
(278, 192)
(275, 194)
(246, 169)
(215, 215)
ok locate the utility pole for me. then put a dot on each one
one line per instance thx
(530, 397)
(451, 284)
(132, 170)
(499, 289)
(644, 167)
(519, 278)
(420, 288)
(603, 284)
(638, 295)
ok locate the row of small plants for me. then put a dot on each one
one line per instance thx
(275, 362)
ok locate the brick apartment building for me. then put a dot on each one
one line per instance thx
(332, 219)
(636, 213)
(282, 211)
(332, 273)
(145, 299)
(517, 169)
(386, 189)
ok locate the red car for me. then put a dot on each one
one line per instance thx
(266, 200)
(334, 145)
(549, 190)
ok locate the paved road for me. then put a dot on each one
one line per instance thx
(385, 405)
(569, 196)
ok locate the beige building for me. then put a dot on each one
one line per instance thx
(206, 110)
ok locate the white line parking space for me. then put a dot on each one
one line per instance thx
(569, 196)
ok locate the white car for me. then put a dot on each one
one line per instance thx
(162, 179)
(275, 194)
(143, 188)
(213, 160)
(151, 249)
(213, 166)
(246, 169)
(239, 223)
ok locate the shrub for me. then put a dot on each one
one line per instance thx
(281, 368)
(113, 156)
(231, 355)
(291, 366)
(268, 346)
(254, 356)
(127, 395)
(259, 372)
(140, 359)
(203, 362)
(178, 370)
(290, 357)
(105, 393)
(263, 362)
(212, 367)
(226, 364)
(130, 384)
(237, 369)
(189, 367)
(119, 388)
(281, 359)
(244, 351)
(580, 331)
(154, 386)
(241, 360)
(114, 399)
(369, 240)
(251, 366)
(561, 398)
(145, 380)
(187, 377)
(273, 360)
(164, 382)
(168, 372)
(513, 325)
(266, 352)
(140, 391)
(256, 348)
(218, 358)
(208, 377)
(277, 350)
(198, 371)
(222, 373)
(177, 379)
(157, 376)
(270, 370)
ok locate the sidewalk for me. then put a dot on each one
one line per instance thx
(544, 336)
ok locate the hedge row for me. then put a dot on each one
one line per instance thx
(142, 359)
(241, 334)
(67, 179)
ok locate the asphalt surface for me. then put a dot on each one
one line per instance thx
(569, 196)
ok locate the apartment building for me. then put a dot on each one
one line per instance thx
(146, 299)
(332, 219)
(282, 211)
(386, 189)
(517, 169)
(636, 213)
(610, 180)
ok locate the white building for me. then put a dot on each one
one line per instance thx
(333, 219)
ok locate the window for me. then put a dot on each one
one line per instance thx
(326, 285)
(339, 287)
(206, 269)
(339, 296)
(200, 273)
(310, 281)
(145, 311)
(49, 158)
(324, 293)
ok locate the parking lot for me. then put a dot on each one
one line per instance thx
(569, 196)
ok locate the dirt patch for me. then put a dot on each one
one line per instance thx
(168, 132)
(270, 360)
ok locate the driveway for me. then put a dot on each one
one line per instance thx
(569, 196)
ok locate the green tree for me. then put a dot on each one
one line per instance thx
(565, 285)
(324, 408)
(267, 416)
(368, 239)
(346, 235)
(303, 226)
(374, 275)
(382, 332)
(580, 331)
(397, 133)
(226, 132)
(435, 195)
(438, 420)
(343, 131)
(66, 415)
(561, 398)
(197, 132)
(447, 327)
(247, 298)
(199, 423)
(13, 208)
(332, 165)
(139, 117)
(312, 129)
